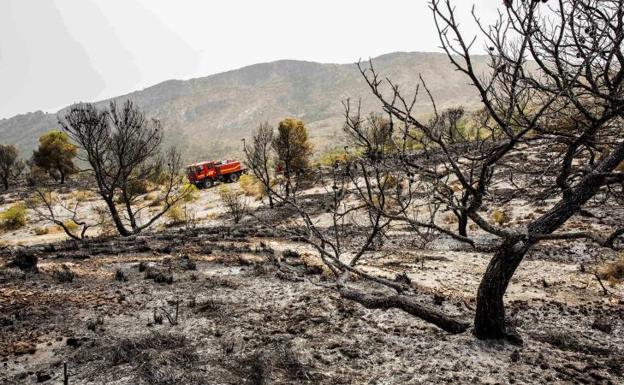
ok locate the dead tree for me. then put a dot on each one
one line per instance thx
(556, 83)
(62, 212)
(10, 166)
(258, 155)
(122, 148)
(346, 235)
(234, 201)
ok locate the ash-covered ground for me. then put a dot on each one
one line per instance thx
(208, 306)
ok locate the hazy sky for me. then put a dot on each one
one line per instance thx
(56, 52)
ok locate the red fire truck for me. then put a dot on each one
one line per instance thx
(206, 174)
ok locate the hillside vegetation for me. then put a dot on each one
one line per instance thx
(210, 115)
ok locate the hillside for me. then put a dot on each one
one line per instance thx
(210, 115)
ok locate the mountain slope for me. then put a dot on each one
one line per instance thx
(209, 116)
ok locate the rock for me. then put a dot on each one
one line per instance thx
(43, 376)
(603, 324)
(73, 342)
(22, 347)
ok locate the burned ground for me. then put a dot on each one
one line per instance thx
(239, 320)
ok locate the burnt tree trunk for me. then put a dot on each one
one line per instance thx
(490, 314)
(462, 224)
(408, 305)
(462, 216)
(489, 322)
(116, 218)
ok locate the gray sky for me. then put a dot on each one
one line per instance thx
(57, 52)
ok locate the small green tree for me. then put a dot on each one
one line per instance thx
(56, 155)
(292, 148)
(10, 166)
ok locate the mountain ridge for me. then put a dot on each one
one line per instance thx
(209, 115)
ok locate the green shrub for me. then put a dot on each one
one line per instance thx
(251, 186)
(500, 217)
(14, 217)
(176, 213)
(192, 192)
(41, 230)
(71, 225)
(334, 156)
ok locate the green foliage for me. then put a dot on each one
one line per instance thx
(55, 155)
(500, 217)
(292, 146)
(251, 186)
(334, 156)
(191, 192)
(71, 225)
(176, 213)
(14, 217)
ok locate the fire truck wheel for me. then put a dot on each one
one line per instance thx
(234, 177)
(208, 183)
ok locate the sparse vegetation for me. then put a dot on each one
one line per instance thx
(191, 192)
(500, 217)
(251, 186)
(234, 202)
(54, 208)
(613, 272)
(177, 214)
(71, 225)
(15, 217)
(41, 230)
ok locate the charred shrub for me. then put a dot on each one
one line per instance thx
(159, 276)
(288, 253)
(64, 274)
(120, 275)
(187, 264)
(26, 261)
